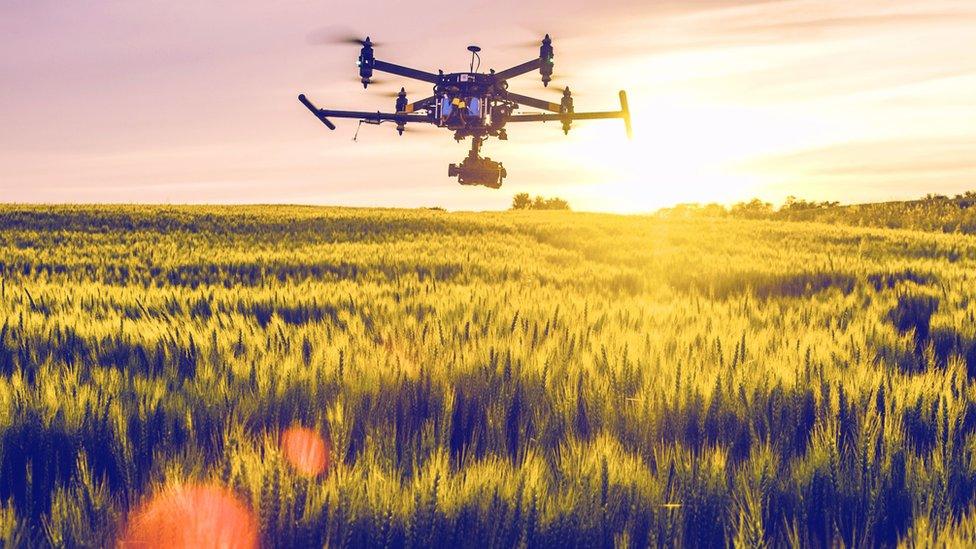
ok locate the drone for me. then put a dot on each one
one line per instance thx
(471, 104)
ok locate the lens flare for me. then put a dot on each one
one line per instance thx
(198, 516)
(305, 450)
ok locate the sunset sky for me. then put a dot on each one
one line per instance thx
(178, 101)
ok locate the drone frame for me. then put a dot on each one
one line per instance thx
(492, 87)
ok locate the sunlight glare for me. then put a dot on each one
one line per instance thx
(682, 152)
(193, 516)
(305, 450)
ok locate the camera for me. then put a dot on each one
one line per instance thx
(478, 171)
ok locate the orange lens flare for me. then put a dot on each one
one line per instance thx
(305, 450)
(197, 516)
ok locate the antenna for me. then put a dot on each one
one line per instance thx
(474, 54)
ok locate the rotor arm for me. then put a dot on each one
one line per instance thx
(517, 70)
(315, 110)
(533, 102)
(574, 116)
(543, 63)
(324, 114)
(556, 117)
(623, 113)
(377, 116)
(405, 71)
(425, 103)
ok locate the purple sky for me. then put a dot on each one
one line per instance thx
(112, 101)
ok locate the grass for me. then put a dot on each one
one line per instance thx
(521, 378)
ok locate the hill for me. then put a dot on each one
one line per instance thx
(516, 378)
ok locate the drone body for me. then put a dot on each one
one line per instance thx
(471, 104)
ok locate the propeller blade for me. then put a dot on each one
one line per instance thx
(522, 44)
(393, 94)
(558, 82)
(419, 128)
(372, 81)
(534, 40)
(337, 35)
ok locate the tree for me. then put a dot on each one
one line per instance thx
(754, 209)
(521, 201)
(794, 204)
(555, 203)
(713, 209)
(690, 210)
(966, 199)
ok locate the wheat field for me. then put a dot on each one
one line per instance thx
(487, 379)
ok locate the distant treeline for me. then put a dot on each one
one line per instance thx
(522, 201)
(933, 212)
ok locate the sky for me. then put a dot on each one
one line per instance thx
(195, 102)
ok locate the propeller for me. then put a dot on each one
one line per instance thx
(558, 82)
(392, 94)
(372, 81)
(417, 127)
(337, 35)
(534, 42)
(408, 127)
(523, 44)
(530, 84)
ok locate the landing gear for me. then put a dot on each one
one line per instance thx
(474, 170)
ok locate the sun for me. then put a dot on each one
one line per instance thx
(681, 151)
